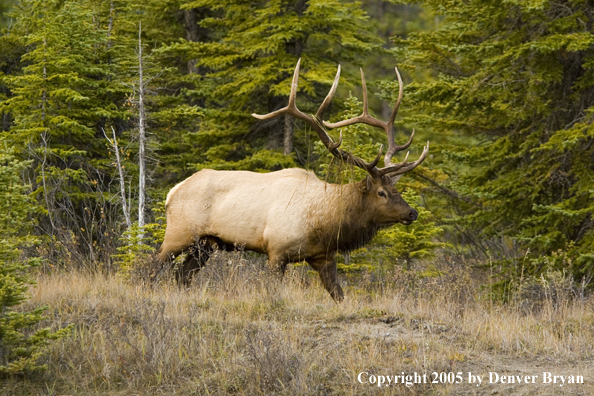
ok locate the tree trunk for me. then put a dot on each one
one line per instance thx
(5, 121)
(141, 135)
(295, 48)
(116, 149)
(191, 22)
(275, 138)
(289, 132)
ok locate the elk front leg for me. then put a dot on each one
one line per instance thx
(278, 264)
(326, 268)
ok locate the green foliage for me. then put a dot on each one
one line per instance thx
(138, 244)
(135, 249)
(416, 241)
(21, 346)
(245, 66)
(64, 88)
(5, 7)
(518, 79)
(69, 72)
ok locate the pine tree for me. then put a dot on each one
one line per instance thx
(517, 81)
(57, 105)
(78, 66)
(21, 345)
(245, 66)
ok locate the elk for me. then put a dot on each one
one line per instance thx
(290, 214)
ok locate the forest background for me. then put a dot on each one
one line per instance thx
(504, 94)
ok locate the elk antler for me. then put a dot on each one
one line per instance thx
(393, 148)
(318, 125)
(316, 121)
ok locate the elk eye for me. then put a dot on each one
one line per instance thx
(382, 194)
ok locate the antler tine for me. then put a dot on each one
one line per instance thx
(329, 97)
(404, 166)
(334, 146)
(314, 121)
(290, 108)
(294, 85)
(393, 148)
(394, 167)
(374, 163)
(364, 88)
(364, 118)
(318, 125)
(400, 95)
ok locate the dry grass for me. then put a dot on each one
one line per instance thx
(241, 331)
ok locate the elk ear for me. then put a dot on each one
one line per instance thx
(394, 179)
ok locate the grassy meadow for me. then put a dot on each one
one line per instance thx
(238, 330)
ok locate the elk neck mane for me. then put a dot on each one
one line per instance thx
(343, 220)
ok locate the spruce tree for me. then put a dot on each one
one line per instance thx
(245, 66)
(517, 80)
(77, 68)
(21, 345)
(57, 105)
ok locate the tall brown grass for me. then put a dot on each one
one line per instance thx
(241, 331)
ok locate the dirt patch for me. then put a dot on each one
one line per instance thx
(466, 372)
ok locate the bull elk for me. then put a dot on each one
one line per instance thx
(290, 214)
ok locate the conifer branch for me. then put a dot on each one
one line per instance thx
(448, 191)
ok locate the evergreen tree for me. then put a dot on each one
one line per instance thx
(77, 74)
(59, 102)
(413, 242)
(20, 345)
(5, 6)
(517, 80)
(245, 66)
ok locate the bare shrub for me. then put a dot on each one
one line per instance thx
(553, 289)
(140, 338)
(147, 270)
(446, 281)
(272, 364)
(238, 272)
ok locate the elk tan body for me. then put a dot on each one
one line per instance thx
(272, 213)
(290, 215)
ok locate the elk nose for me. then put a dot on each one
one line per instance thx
(413, 214)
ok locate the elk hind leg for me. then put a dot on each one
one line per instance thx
(328, 275)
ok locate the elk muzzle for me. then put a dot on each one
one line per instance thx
(412, 216)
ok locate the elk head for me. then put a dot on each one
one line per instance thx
(378, 187)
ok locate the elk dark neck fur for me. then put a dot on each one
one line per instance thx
(350, 222)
